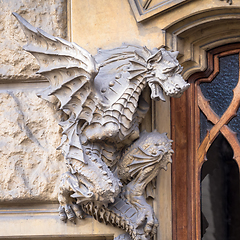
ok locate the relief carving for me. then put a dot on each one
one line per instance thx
(109, 161)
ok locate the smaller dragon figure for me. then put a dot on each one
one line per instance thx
(110, 162)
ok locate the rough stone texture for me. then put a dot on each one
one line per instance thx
(31, 166)
(49, 15)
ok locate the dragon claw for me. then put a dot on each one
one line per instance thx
(78, 211)
(145, 223)
(152, 223)
(71, 212)
(62, 214)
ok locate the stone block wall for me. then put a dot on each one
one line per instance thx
(31, 166)
(49, 15)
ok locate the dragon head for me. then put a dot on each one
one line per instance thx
(164, 75)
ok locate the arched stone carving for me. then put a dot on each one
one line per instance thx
(193, 35)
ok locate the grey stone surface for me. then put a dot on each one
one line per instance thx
(31, 166)
(109, 161)
(50, 15)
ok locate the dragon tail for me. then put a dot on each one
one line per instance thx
(120, 214)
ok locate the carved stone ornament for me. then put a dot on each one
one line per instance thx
(109, 161)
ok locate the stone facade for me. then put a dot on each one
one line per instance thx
(31, 166)
(50, 15)
(30, 133)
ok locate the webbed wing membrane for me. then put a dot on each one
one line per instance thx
(70, 70)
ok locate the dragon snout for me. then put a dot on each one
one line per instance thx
(175, 86)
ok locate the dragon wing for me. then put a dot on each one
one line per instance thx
(70, 70)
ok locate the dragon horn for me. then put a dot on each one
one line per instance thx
(174, 54)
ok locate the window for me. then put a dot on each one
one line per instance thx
(205, 126)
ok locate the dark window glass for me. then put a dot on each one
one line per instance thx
(220, 197)
(220, 203)
(219, 91)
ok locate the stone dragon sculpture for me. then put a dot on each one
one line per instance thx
(109, 161)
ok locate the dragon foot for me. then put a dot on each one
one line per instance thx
(69, 209)
(71, 212)
(74, 196)
(145, 216)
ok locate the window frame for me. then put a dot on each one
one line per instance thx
(186, 168)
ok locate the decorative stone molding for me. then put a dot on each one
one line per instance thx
(110, 163)
(196, 34)
(145, 9)
(42, 222)
(194, 29)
